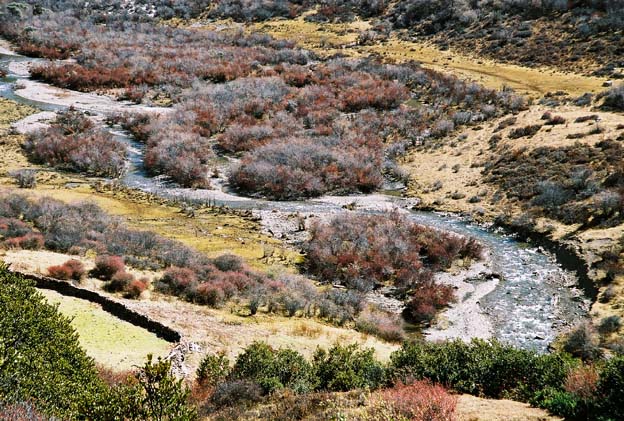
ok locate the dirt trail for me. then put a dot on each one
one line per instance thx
(329, 39)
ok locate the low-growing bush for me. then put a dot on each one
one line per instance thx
(582, 342)
(343, 368)
(135, 288)
(610, 388)
(71, 269)
(427, 299)
(296, 167)
(175, 280)
(26, 179)
(527, 131)
(481, 368)
(614, 98)
(72, 143)
(274, 369)
(235, 392)
(418, 401)
(60, 272)
(120, 281)
(362, 251)
(610, 324)
(213, 369)
(30, 241)
(106, 266)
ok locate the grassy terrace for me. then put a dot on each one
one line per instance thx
(111, 342)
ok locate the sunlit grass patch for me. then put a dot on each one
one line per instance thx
(110, 341)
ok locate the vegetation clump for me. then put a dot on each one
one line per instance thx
(73, 143)
(579, 183)
(364, 252)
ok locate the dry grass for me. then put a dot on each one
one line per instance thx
(306, 330)
(11, 157)
(223, 330)
(436, 164)
(329, 39)
(471, 408)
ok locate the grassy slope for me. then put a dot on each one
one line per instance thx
(107, 339)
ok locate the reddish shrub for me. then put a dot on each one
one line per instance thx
(175, 280)
(427, 299)
(364, 250)
(77, 269)
(120, 281)
(80, 78)
(420, 401)
(209, 294)
(582, 382)
(39, 50)
(297, 167)
(371, 93)
(180, 154)
(237, 280)
(135, 288)
(60, 272)
(72, 143)
(11, 227)
(106, 266)
(30, 241)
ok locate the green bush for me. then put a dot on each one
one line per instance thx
(344, 368)
(213, 369)
(274, 370)
(153, 394)
(480, 367)
(41, 360)
(610, 392)
(557, 402)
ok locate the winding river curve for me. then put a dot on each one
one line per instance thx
(520, 294)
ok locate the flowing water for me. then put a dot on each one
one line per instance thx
(535, 299)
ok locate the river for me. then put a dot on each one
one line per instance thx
(529, 299)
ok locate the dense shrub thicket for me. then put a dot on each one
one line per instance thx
(557, 382)
(41, 360)
(82, 227)
(303, 127)
(580, 183)
(367, 251)
(72, 142)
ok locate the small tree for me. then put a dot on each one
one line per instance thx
(213, 369)
(162, 396)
